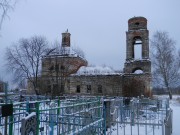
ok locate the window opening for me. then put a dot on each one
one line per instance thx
(138, 71)
(62, 67)
(137, 48)
(57, 67)
(99, 88)
(137, 23)
(88, 88)
(78, 89)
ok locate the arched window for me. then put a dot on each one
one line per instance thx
(137, 23)
(137, 71)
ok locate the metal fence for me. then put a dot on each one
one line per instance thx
(135, 116)
(89, 116)
(55, 117)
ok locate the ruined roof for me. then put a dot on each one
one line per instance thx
(97, 70)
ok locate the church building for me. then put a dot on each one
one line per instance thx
(66, 72)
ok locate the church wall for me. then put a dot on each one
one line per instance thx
(96, 85)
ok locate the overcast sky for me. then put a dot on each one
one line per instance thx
(97, 26)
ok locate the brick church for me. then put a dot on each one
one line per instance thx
(65, 71)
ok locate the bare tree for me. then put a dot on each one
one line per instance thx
(164, 61)
(24, 59)
(5, 6)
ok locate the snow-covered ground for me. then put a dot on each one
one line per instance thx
(175, 106)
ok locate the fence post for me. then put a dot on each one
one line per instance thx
(38, 121)
(171, 120)
(99, 111)
(99, 103)
(11, 124)
(163, 128)
(58, 113)
(132, 112)
(6, 118)
(27, 107)
(52, 117)
(168, 123)
(104, 116)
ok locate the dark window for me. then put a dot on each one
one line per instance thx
(137, 23)
(49, 89)
(62, 88)
(1, 88)
(99, 88)
(78, 89)
(55, 87)
(57, 67)
(88, 88)
(62, 67)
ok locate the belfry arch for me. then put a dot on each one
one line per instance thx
(137, 70)
(137, 47)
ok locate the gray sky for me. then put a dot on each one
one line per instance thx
(97, 26)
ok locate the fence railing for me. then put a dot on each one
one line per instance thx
(145, 116)
(70, 116)
(89, 115)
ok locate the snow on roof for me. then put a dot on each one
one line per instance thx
(64, 52)
(61, 51)
(67, 50)
(96, 70)
(137, 60)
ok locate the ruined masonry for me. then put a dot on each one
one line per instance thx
(137, 84)
(65, 71)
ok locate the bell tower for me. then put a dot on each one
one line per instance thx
(137, 35)
(137, 71)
